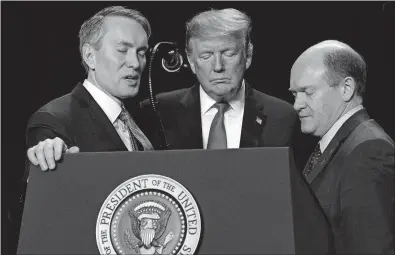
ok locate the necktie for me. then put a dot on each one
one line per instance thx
(313, 160)
(134, 132)
(217, 134)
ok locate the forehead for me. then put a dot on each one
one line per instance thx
(307, 74)
(215, 43)
(124, 29)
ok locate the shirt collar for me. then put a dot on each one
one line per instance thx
(236, 104)
(110, 107)
(326, 139)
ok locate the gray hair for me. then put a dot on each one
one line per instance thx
(213, 23)
(91, 31)
(345, 62)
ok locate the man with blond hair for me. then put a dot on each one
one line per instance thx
(222, 110)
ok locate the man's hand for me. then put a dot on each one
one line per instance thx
(48, 151)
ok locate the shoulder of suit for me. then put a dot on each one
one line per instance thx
(273, 104)
(370, 131)
(62, 106)
(168, 98)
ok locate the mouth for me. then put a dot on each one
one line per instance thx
(220, 80)
(131, 77)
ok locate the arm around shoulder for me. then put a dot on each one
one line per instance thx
(43, 125)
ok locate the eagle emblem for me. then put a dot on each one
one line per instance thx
(148, 221)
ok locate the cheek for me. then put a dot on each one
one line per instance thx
(203, 66)
(203, 70)
(143, 62)
(112, 61)
(236, 67)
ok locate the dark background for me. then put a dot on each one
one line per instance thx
(40, 61)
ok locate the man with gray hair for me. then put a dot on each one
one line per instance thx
(93, 117)
(222, 110)
(351, 171)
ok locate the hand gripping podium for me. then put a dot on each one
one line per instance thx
(250, 201)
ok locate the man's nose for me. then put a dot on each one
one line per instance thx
(218, 63)
(132, 60)
(299, 102)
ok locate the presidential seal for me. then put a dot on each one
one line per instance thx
(148, 214)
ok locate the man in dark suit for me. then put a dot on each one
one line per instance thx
(219, 51)
(222, 110)
(93, 117)
(351, 171)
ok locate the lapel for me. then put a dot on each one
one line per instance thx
(95, 122)
(189, 123)
(336, 142)
(254, 120)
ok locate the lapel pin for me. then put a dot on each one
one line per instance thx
(259, 120)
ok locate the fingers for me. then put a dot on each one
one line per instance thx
(49, 153)
(46, 152)
(39, 151)
(31, 155)
(59, 147)
(73, 149)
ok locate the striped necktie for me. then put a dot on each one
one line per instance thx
(135, 133)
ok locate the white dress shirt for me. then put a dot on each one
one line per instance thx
(327, 138)
(233, 117)
(112, 109)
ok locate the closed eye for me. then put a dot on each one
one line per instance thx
(230, 53)
(309, 93)
(122, 50)
(205, 56)
(142, 53)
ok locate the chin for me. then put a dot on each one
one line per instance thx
(307, 130)
(130, 93)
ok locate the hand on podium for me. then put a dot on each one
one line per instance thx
(47, 152)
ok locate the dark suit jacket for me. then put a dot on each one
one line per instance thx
(78, 120)
(267, 121)
(353, 181)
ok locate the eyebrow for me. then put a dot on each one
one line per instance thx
(303, 88)
(129, 44)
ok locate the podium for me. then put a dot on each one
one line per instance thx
(251, 201)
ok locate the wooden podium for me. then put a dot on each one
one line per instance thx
(251, 201)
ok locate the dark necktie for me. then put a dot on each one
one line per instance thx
(217, 135)
(313, 160)
(135, 133)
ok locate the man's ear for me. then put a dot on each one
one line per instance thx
(348, 88)
(250, 50)
(88, 54)
(191, 63)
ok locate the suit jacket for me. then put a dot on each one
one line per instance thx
(353, 181)
(267, 121)
(78, 120)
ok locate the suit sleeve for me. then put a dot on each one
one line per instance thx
(367, 200)
(44, 125)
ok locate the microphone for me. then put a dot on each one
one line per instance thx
(172, 61)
